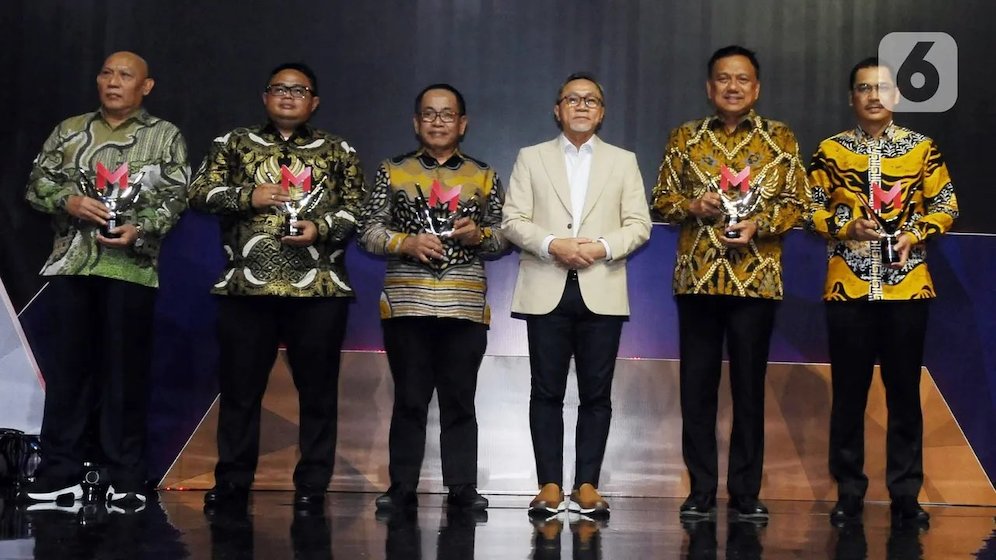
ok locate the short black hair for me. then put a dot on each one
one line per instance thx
(734, 50)
(299, 67)
(461, 106)
(580, 76)
(870, 62)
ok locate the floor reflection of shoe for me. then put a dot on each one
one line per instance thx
(465, 517)
(49, 490)
(574, 517)
(126, 508)
(398, 518)
(586, 499)
(550, 500)
(398, 496)
(699, 524)
(547, 530)
(466, 496)
(585, 530)
(72, 509)
(77, 513)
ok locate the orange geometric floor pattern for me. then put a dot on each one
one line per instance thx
(643, 457)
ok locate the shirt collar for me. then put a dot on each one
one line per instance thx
(139, 115)
(567, 147)
(888, 132)
(454, 161)
(303, 131)
(749, 121)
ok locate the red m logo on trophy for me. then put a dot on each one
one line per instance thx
(120, 176)
(438, 194)
(727, 176)
(881, 196)
(302, 180)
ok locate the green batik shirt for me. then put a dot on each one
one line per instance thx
(149, 146)
(258, 263)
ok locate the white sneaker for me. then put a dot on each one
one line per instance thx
(129, 498)
(65, 495)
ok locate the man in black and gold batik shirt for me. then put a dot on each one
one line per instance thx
(877, 179)
(280, 285)
(103, 285)
(728, 277)
(435, 213)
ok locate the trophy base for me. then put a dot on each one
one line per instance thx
(106, 232)
(290, 228)
(730, 234)
(889, 253)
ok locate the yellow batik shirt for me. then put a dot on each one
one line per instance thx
(412, 194)
(693, 164)
(842, 174)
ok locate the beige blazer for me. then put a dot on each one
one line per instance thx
(538, 204)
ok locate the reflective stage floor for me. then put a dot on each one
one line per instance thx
(176, 527)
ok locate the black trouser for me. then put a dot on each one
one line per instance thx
(426, 354)
(571, 329)
(99, 369)
(250, 330)
(704, 321)
(893, 332)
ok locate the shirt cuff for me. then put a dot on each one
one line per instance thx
(545, 254)
(608, 251)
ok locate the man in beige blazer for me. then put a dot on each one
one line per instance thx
(576, 207)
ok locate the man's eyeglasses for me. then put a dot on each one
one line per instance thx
(576, 101)
(283, 90)
(883, 88)
(430, 115)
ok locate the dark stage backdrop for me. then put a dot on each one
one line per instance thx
(211, 59)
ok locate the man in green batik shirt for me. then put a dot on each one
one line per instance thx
(103, 287)
(278, 287)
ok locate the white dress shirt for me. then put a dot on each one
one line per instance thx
(577, 162)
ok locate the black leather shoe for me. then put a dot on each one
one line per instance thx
(747, 507)
(309, 501)
(466, 496)
(847, 509)
(698, 506)
(398, 496)
(225, 495)
(906, 508)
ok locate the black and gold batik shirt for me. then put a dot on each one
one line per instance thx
(456, 286)
(694, 162)
(258, 263)
(156, 156)
(915, 196)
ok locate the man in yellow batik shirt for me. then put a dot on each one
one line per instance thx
(874, 186)
(727, 279)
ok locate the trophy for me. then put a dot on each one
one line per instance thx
(303, 196)
(114, 190)
(888, 238)
(738, 203)
(440, 213)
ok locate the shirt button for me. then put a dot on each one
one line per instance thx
(569, 226)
